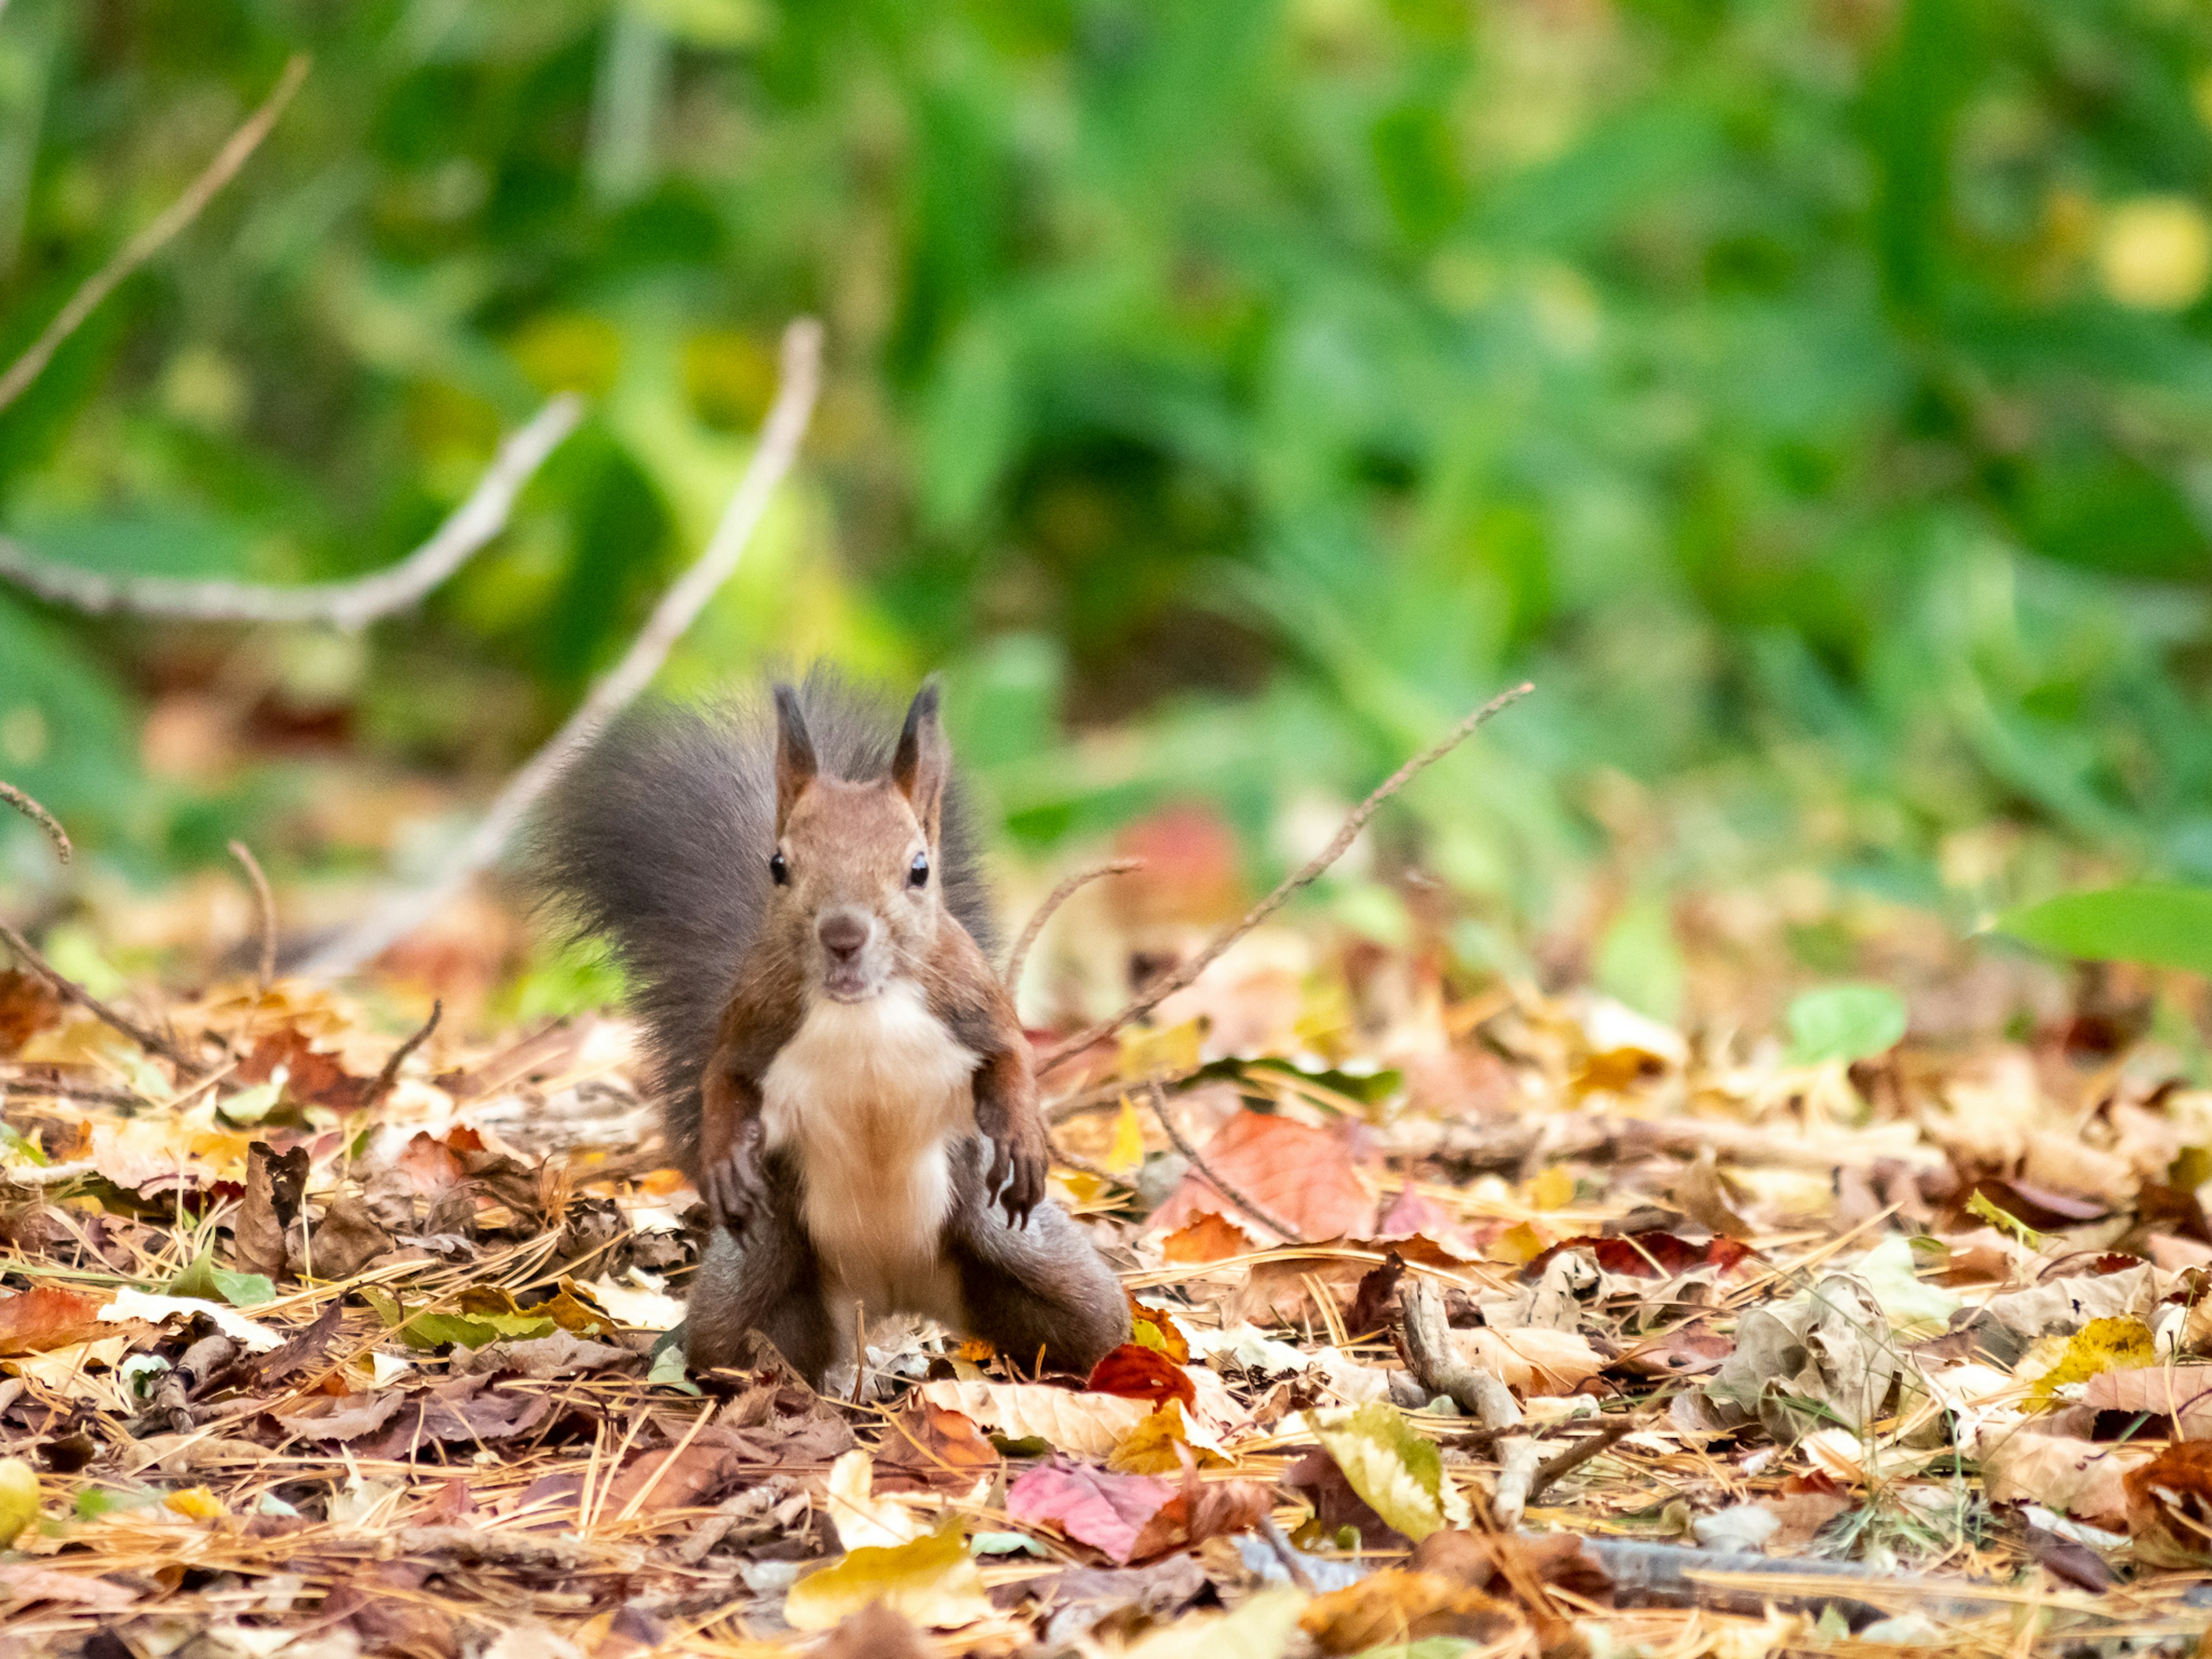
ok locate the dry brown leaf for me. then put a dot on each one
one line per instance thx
(2080, 1478)
(2182, 1393)
(1088, 1422)
(46, 1317)
(1532, 1360)
(2169, 1506)
(1397, 1606)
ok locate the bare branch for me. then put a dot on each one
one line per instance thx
(153, 1041)
(1059, 895)
(149, 241)
(1169, 984)
(38, 815)
(401, 913)
(1436, 1364)
(349, 604)
(1576, 1455)
(264, 909)
(390, 1074)
(1267, 1218)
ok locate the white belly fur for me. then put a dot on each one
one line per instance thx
(870, 1095)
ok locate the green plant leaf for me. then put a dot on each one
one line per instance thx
(2158, 924)
(1844, 1021)
(1400, 1474)
(206, 1282)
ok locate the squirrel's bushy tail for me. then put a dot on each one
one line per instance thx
(656, 838)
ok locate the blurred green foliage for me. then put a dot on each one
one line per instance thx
(1813, 395)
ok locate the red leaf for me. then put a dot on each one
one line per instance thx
(1644, 1255)
(310, 1074)
(1297, 1173)
(1106, 1511)
(1141, 1373)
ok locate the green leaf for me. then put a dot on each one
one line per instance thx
(1981, 1204)
(2157, 925)
(1400, 1474)
(1844, 1021)
(206, 1282)
(1260, 1628)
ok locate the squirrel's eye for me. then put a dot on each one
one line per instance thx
(917, 874)
(778, 871)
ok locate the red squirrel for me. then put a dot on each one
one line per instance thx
(795, 900)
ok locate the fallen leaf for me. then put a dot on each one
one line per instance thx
(19, 1498)
(1400, 1475)
(22, 1584)
(2101, 1346)
(1092, 1424)
(874, 1632)
(341, 1417)
(347, 1238)
(46, 1317)
(863, 1520)
(2169, 1507)
(1106, 1511)
(930, 1443)
(2080, 1478)
(1397, 1606)
(1532, 1360)
(1135, 1372)
(249, 1334)
(1260, 1628)
(274, 1185)
(1296, 1172)
(2181, 1393)
(1208, 1236)
(933, 1581)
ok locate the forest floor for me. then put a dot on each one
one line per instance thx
(1526, 1324)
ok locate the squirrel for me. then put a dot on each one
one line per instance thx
(797, 905)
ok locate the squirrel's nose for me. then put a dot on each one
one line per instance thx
(843, 933)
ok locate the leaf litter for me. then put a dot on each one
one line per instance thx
(1827, 1341)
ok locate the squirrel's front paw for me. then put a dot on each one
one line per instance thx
(733, 1186)
(1022, 1163)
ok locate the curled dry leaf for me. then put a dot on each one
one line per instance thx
(1397, 1606)
(1532, 1360)
(933, 1581)
(1092, 1424)
(2169, 1506)
(1141, 1373)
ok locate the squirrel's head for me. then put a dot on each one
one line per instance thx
(855, 865)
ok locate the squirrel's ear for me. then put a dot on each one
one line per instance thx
(924, 758)
(795, 765)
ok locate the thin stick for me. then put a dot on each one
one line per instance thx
(1287, 1554)
(38, 815)
(350, 605)
(401, 913)
(390, 1074)
(1577, 1455)
(70, 991)
(1266, 1217)
(1017, 958)
(149, 241)
(859, 1349)
(265, 906)
(1166, 986)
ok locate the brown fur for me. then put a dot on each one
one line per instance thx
(1028, 1280)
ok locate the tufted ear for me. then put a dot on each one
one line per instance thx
(923, 760)
(795, 765)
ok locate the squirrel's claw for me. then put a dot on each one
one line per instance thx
(1022, 1171)
(733, 1186)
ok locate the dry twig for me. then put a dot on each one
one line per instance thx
(1169, 984)
(400, 913)
(1519, 1461)
(264, 908)
(1577, 1455)
(1266, 1217)
(153, 1041)
(347, 604)
(149, 241)
(1438, 1368)
(38, 815)
(1019, 956)
(390, 1074)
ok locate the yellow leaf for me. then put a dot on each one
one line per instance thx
(864, 1520)
(1162, 1053)
(1518, 1243)
(19, 1497)
(1260, 1628)
(2101, 1346)
(195, 1503)
(931, 1580)
(1554, 1189)
(1150, 1448)
(1401, 1475)
(1127, 1155)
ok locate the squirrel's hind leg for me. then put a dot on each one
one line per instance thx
(1040, 1288)
(770, 1282)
